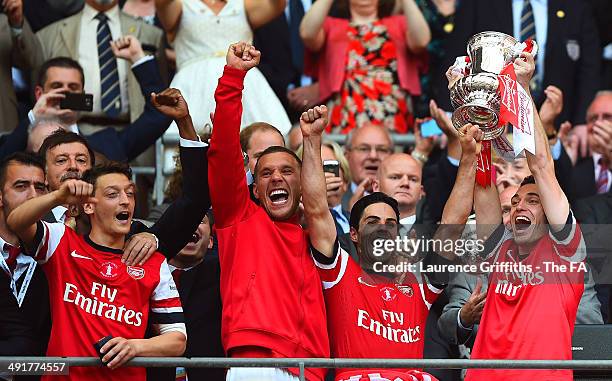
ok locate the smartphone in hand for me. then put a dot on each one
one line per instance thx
(332, 166)
(77, 102)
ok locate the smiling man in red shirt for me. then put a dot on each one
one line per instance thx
(272, 299)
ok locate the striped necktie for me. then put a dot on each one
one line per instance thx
(528, 31)
(602, 179)
(109, 76)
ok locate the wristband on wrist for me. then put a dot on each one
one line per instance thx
(419, 156)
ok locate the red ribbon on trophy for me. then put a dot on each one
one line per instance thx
(484, 165)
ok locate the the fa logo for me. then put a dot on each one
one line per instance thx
(109, 270)
(388, 294)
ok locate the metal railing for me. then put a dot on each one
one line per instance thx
(303, 363)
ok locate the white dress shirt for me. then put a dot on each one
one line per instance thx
(59, 212)
(88, 57)
(341, 219)
(406, 224)
(23, 262)
(540, 17)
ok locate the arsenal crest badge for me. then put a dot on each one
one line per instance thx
(406, 290)
(136, 272)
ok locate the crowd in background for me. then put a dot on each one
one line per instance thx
(379, 67)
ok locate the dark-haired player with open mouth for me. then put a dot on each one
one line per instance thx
(370, 315)
(93, 294)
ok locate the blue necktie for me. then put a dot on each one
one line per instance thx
(109, 76)
(337, 219)
(528, 31)
(296, 13)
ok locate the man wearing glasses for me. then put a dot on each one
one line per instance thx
(365, 149)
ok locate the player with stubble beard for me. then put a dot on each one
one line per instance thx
(372, 312)
(527, 314)
(272, 300)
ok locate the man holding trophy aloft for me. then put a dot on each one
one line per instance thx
(527, 314)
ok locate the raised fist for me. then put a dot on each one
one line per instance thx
(313, 121)
(524, 67)
(75, 192)
(171, 103)
(128, 48)
(242, 56)
(470, 138)
(14, 12)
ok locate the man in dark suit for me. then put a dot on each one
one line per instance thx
(566, 31)
(592, 174)
(196, 273)
(60, 75)
(595, 215)
(24, 315)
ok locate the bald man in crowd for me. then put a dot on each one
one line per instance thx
(399, 176)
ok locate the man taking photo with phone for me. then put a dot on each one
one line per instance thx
(62, 75)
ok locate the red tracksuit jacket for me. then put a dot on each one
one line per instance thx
(271, 291)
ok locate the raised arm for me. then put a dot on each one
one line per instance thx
(26, 51)
(177, 224)
(554, 201)
(169, 13)
(418, 33)
(486, 199)
(321, 227)
(23, 219)
(261, 12)
(226, 176)
(459, 204)
(311, 27)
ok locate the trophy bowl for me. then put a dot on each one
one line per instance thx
(476, 101)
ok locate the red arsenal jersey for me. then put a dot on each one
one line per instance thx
(530, 314)
(94, 295)
(369, 316)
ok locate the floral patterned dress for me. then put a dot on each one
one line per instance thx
(371, 92)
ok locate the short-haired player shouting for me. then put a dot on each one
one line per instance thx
(370, 315)
(93, 294)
